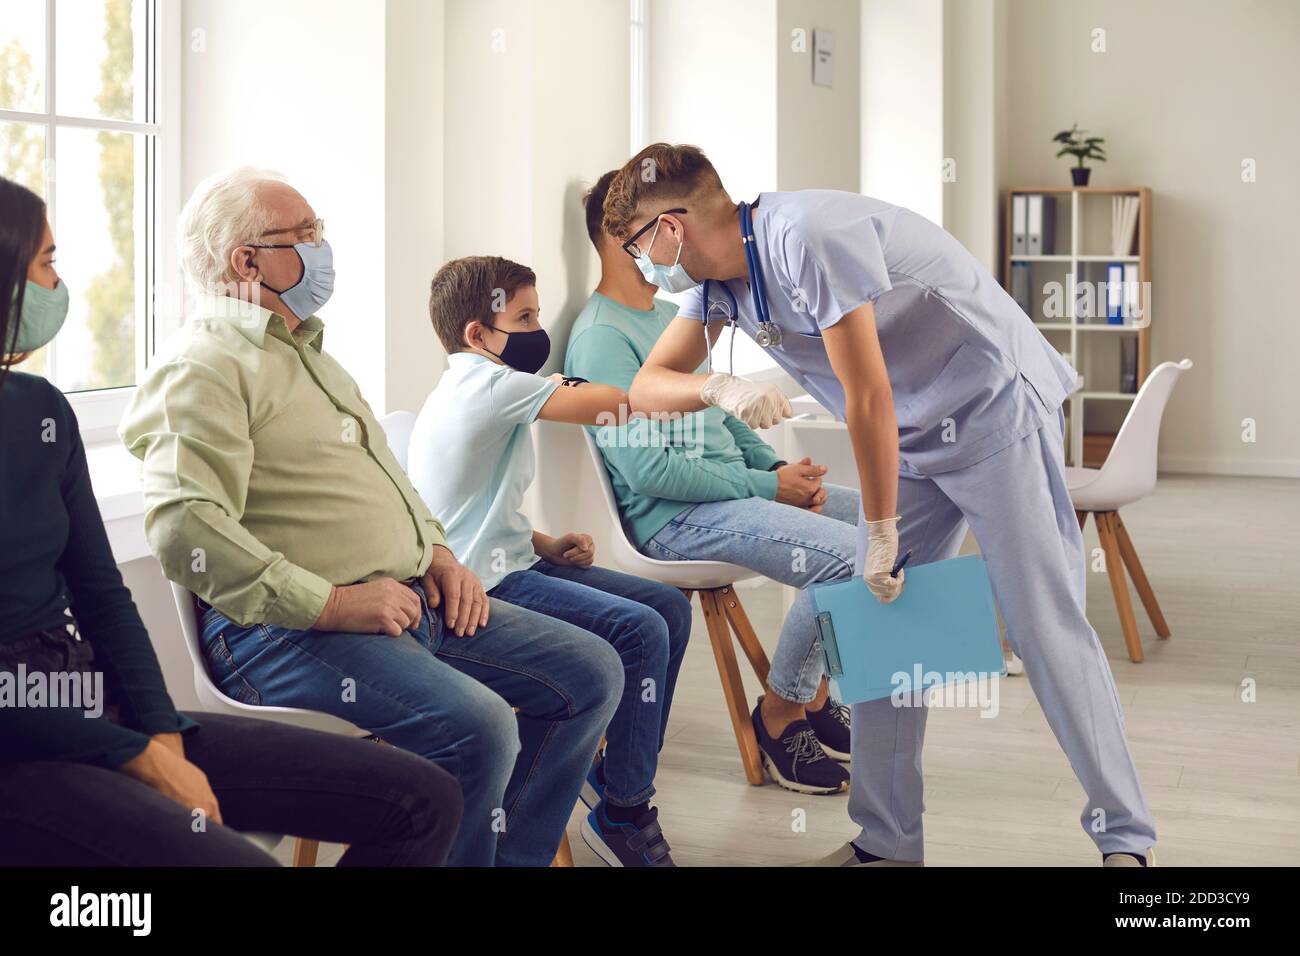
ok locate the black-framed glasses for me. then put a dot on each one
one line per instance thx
(631, 247)
(315, 231)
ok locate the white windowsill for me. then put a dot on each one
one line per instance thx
(115, 477)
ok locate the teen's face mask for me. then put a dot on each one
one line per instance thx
(525, 351)
(44, 312)
(673, 278)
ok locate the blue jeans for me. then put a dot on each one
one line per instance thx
(648, 623)
(449, 699)
(781, 542)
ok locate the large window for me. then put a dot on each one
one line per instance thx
(80, 125)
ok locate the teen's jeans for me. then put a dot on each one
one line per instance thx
(391, 808)
(787, 544)
(449, 699)
(648, 623)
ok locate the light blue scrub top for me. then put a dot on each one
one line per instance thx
(970, 373)
(471, 459)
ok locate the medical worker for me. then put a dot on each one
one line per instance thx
(953, 402)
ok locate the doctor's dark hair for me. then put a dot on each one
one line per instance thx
(22, 227)
(661, 175)
(465, 290)
(593, 201)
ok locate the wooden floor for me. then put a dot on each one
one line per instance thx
(1222, 776)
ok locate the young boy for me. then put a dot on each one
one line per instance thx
(471, 458)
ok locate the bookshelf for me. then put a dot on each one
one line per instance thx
(1068, 305)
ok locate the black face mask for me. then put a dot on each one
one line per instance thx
(525, 351)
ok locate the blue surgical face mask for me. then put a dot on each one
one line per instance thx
(673, 278)
(44, 312)
(317, 283)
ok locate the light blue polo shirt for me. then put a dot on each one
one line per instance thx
(969, 371)
(471, 458)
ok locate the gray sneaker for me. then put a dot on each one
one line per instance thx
(845, 856)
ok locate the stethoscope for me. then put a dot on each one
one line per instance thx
(769, 333)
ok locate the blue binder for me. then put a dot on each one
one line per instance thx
(940, 631)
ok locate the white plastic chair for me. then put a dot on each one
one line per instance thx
(398, 427)
(213, 700)
(1128, 475)
(714, 582)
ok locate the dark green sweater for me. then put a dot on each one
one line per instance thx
(54, 556)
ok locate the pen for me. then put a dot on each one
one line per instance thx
(898, 565)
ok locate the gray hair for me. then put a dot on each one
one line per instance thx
(224, 212)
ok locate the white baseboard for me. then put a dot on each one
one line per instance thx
(1243, 467)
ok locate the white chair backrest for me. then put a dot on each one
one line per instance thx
(187, 611)
(213, 699)
(398, 427)
(690, 575)
(623, 548)
(1130, 468)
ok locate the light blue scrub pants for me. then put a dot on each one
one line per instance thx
(1017, 504)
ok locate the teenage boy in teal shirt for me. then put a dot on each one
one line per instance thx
(723, 495)
(471, 458)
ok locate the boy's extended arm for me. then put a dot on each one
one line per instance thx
(638, 452)
(585, 403)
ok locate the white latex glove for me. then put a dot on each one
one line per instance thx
(882, 552)
(758, 406)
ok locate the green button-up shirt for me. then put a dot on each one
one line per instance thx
(267, 478)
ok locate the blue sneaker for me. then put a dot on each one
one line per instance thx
(639, 843)
(593, 788)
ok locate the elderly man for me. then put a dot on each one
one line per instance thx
(325, 582)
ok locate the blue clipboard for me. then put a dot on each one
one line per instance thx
(941, 630)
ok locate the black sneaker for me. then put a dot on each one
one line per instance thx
(640, 843)
(797, 761)
(831, 724)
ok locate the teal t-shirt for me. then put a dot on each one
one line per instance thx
(660, 468)
(471, 459)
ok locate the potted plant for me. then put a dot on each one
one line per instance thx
(1075, 143)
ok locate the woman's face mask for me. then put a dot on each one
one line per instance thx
(44, 312)
(673, 278)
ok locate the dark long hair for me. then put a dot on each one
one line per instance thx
(22, 227)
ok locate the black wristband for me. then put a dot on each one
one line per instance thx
(779, 464)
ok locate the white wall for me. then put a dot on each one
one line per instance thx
(413, 198)
(1185, 91)
(537, 108)
(902, 103)
(285, 85)
(818, 127)
(713, 83)
(970, 126)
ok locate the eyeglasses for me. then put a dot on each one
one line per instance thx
(314, 230)
(631, 247)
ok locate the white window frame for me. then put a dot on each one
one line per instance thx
(639, 112)
(100, 410)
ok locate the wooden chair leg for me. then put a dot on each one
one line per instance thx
(739, 620)
(1083, 518)
(304, 852)
(733, 688)
(1119, 584)
(1139, 576)
(564, 855)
